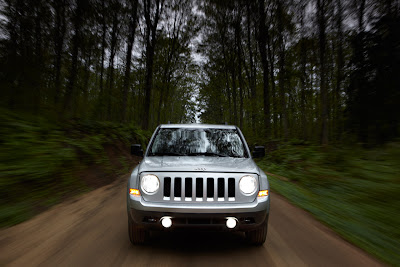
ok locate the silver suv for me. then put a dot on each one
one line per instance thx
(198, 175)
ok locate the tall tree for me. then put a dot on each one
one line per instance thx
(104, 22)
(339, 70)
(115, 31)
(252, 72)
(262, 42)
(77, 19)
(133, 11)
(321, 19)
(59, 40)
(238, 41)
(152, 12)
(282, 69)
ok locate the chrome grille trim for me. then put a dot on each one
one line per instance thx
(195, 182)
(198, 194)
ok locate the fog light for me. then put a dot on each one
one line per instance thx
(166, 222)
(231, 223)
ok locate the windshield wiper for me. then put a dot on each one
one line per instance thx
(167, 154)
(207, 154)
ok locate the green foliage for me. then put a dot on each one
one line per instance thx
(354, 191)
(67, 59)
(40, 159)
(325, 83)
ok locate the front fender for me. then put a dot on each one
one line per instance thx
(133, 182)
(264, 184)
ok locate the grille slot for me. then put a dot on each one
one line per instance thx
(231, 187)
(167, 187)
(210, 188)
(199, 189)
(178, 187)
(188, 187)
(221, 189)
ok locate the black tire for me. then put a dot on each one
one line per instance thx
(258, 236)
(137, 235)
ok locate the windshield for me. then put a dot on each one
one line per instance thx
(197, 142)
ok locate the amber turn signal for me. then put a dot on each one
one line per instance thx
(263, 193)
(134, 192)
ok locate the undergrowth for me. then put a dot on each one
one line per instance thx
(353, 190)
(40, 160)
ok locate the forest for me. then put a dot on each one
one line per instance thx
(317, 82)
(318, 70)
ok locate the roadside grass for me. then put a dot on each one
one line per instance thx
(354, 191)
(43, 162)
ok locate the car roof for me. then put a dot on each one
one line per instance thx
(198, 126)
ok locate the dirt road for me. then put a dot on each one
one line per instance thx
(91, 230)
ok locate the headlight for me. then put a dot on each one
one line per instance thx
(248, 184)
(150, 183)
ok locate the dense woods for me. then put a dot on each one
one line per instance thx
(113, 60)
(316, 81)
(317, 70)
(323, 71)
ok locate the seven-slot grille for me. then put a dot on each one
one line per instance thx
(199, 189)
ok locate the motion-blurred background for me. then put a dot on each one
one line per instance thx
(315, 81)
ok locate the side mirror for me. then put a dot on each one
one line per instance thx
(259, 152)
(137, 150)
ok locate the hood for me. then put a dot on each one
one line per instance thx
(197, 164)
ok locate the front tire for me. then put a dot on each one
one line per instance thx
(137, 235)
(258, 236)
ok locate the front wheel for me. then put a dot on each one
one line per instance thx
(258, 236)
(137, 235)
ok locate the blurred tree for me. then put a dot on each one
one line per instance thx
(263, 37)
(77, 24)
(132, 21)
(152, 13)
(315, 70)
(282, 65)
(59, 33)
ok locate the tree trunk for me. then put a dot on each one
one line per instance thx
(59, 37)
(339, 72)
(151, 32)
(131, 40)
(239, 53)
(226, 67)
(252, 81)
(323, 89)
(303, 79)
(282, 71)
(103, 49)
(76, 39)
(39, 62)
(113, 47)
(273, 89)
(262, 41)
(234, 90)
(167, 69)
(87, 77)
(362, 90)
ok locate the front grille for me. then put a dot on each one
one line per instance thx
(199, 189)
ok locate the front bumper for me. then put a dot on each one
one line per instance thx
(208, 215)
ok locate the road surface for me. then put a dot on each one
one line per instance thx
(91, 230)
